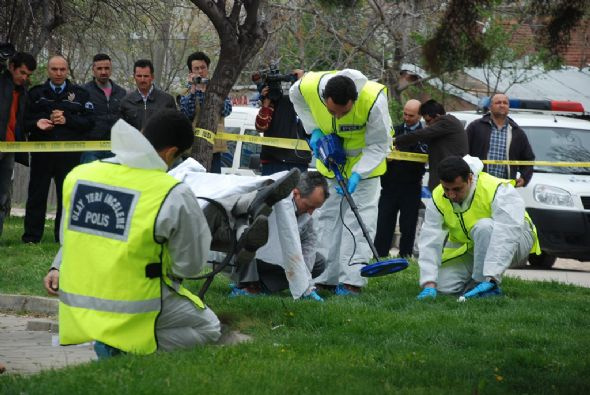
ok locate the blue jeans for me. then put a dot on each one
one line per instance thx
(6, 168)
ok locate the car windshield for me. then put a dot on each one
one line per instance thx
(560, 145)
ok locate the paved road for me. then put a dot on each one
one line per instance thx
(566, 271)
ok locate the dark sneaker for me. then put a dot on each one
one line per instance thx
(269, 195)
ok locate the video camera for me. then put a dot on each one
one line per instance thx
(200, 80)
(6, 51)
(272, 78)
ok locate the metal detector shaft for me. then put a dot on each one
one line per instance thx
(354, 209)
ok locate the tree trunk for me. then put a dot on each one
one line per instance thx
(241, 35)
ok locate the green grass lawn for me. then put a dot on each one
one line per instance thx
(534, 340)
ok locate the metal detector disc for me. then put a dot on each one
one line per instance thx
(383, 268)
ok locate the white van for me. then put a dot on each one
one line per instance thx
(557, 198)
(242, 158)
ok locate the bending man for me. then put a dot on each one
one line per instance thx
(348, 104)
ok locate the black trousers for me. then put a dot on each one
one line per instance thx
(405, 199)
(44, 167)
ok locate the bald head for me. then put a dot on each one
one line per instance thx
(499, 108)
(411, 112)
(57, 69)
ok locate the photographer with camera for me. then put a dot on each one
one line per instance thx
(191, 103)
(277, 118)
(13, 96)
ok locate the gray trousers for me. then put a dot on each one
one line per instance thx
(181, 324)
(462, 273)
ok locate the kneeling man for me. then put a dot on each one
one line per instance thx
(488, 231)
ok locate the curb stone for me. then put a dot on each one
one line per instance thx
(27, 303)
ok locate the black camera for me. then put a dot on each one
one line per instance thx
(200, 80)
(6, 51)
(272, 78)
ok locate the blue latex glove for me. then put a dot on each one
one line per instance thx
(353, 181)
(427, 293)
(339, 190)
(316, 134)
(481, 290)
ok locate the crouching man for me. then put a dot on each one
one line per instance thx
(488, 231)
(131, 233)
(289, 259)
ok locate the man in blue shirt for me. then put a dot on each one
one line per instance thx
(191, 103)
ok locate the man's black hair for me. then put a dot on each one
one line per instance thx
(102, 56)
(143, 63)
(432, 108)
(452, 167)
(169, 128)
(20, 58)
(197, 56)
(309, 181)
(341, 90)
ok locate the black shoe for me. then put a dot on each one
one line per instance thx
(254, 237)
(269, 195)
(30, 240)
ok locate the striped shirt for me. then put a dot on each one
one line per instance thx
(497, 151)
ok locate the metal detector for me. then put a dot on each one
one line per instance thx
(333, 157)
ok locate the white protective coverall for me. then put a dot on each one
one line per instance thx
(291, 241)
(366, 196)
(500, 242)
(183, 226)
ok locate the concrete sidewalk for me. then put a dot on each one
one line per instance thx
(581, 279)
(29, 345)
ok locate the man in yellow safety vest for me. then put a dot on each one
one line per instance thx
(487, 230)
(130, 234)
(347, 104)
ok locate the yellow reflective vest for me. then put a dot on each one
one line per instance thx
(112, 266)
(350, 128)
(460, 224)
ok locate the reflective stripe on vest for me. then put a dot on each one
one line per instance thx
(460, 224)
(106, 294)
(351, 128)
(114, 306)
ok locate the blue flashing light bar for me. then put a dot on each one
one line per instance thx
(537, 105)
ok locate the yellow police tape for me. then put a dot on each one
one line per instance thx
(296, 144)
(54, 146)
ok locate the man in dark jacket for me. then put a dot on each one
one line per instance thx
(444, 135)
(497, 137)
(277, 118)
(106, 98)
(56, 111)
(12, 109)
(401, 189)
(142, 103)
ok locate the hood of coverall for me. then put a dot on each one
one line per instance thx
(132, 149)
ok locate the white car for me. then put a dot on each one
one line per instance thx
(557, 198)
(242, 158)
